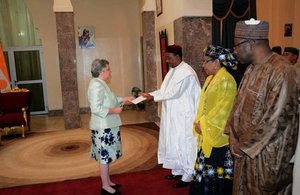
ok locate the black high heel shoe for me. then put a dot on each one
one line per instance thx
(116, 186)
(104, 192)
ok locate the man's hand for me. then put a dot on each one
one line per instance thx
(147, 96)
(235, 147)
(197, 127)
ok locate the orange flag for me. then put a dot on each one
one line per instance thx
(4, 77)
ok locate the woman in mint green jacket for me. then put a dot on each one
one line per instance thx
(105, 122)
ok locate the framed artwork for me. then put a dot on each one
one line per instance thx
(163, 40)
(158, 7)
(288, 30)
(86, 37)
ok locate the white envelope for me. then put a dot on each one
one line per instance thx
(138, 99)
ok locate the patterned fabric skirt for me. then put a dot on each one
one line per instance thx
(213, 175)
(106, 145)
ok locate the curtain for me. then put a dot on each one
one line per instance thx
(225, 14)
(17, 27)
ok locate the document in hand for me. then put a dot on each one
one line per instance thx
(138, 99)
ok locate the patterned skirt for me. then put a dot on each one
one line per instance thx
(214, 175)
(106, 145)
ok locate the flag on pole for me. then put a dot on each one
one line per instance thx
(4, 76)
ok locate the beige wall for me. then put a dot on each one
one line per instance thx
(44, 19)
(278, 13)
(172, 10)
(117, 33)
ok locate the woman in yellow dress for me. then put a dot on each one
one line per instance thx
(214, 164)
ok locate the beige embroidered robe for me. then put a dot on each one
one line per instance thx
(264, 120)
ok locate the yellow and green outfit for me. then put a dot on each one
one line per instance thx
(214, 164)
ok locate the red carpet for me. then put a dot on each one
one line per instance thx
(149, 182)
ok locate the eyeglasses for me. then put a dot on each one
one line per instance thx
(236, 45)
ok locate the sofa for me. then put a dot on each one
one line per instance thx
(14, 110)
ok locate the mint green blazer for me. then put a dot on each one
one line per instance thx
(101, 98)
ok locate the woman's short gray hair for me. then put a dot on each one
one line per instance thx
(97, 66)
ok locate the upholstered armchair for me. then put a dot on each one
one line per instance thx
(14, 110)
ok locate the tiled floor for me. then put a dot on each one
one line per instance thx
(55, 123)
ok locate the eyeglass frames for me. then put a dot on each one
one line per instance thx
(238, 44)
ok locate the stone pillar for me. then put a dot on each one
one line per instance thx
(149, 56)
(193, 34)
(67, 65)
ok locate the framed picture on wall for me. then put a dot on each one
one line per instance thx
(158, 7)
(288, 30)
(163, 39)
(86, 37)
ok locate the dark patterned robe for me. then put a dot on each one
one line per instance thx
(264, 120)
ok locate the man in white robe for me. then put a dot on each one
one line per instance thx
(179, 94)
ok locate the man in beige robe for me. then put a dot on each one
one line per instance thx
(263, 126)
(296, 159)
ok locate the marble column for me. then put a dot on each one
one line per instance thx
(193, 34)
(68, 70)
(149, 56)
